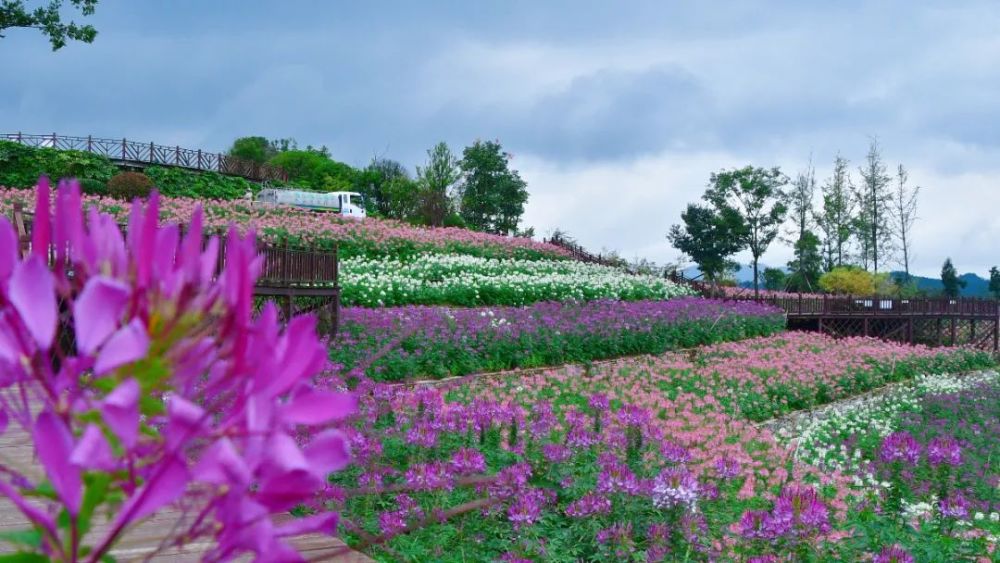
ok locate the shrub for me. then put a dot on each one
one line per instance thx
(130, 185)
(848, 280)
(91, 186)
(454, 220)
(21, 166)
(177, 182)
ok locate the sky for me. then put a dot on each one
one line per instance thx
(616, 113)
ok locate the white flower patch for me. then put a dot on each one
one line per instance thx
(447, 278)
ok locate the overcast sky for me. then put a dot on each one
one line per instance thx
(616, 112)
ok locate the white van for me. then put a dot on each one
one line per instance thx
(349, 204)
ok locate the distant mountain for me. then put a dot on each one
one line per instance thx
(975, 286)
(744, 276)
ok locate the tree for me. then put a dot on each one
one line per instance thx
(995, 282)
(800, 200)
(388, 188)
(849, 280)
(709, 236)
(437, 182)
(48, 20)
(874, 197)
(257, 149)
(950, 281)
(493, 195)
(755, 194)
(905, 211)
(835, 221)
(774, 279)
(807, 265)
(312, 170)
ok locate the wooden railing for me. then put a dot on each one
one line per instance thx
(144, 154)
(875, 306)
(285, 266)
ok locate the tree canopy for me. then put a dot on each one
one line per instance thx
(493, 194)
(48, 20)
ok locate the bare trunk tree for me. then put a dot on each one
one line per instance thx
(874, 198)
(905, 211)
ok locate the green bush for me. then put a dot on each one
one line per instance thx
(454, 220)
(130, 185)
(177, 182)
(21, 166)
(91, 186)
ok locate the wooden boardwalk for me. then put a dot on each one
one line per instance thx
(137, 154)
(141, 543)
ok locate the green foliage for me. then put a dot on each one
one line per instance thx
(48, 20)
(90, 186)
(851, 280)
(315, 170)
(436, 181)
(493, 195)
(950, 281)
(388, 189)
(443, 358)
(807, 265)
(257, 149)
(774, 279)
(755, 195)
(21, 166)
(177, 182)
(995, 282)
(454, 220)
(130, 185)
(709, 236)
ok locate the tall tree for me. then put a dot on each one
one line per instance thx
(905, 212)
(257, 149)
(710, 237)
(995, 282)
(774, 279)
(874, 198)
(387, 188)
(48, 20)
(493, 195)
(835, 220)
(755, 194)
(800, 203)
(806, 266)
(949, 279)
(437, 181)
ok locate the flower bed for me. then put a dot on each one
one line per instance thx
(369, 237)
(634, 460)
(438, 279)
(438, 341)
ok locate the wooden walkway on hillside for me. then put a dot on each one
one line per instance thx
(933, 321)
(143, 542)
(136, 154)
(289, 272)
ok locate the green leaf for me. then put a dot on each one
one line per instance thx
(29, 538)
(23, 557)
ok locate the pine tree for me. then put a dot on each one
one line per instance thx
(835, 220)
(950, 280)
(905, 211)
(873, 226)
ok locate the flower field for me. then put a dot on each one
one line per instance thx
(450, 279)
(371, 237)
(641, 459)
(439, 341)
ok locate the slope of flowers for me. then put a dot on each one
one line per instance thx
(439, 341)
(637, 460)
(439, 279)
(370, 237)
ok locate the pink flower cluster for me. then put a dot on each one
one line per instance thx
(146, 383)
(310, 227)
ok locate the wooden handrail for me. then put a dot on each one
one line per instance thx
(145, 154)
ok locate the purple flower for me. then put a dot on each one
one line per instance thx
(467, 461)
(556, 453)
(589, 505)
(616, 477)
(752, 524)
(944, 450)
(900, 446)
(598, 402)
(675, 453)
(727, 467)
(675, 486)
(763, 559)
(954, 506)
(429, 477)
(527, 507)
(893, 554)
(804, 508)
